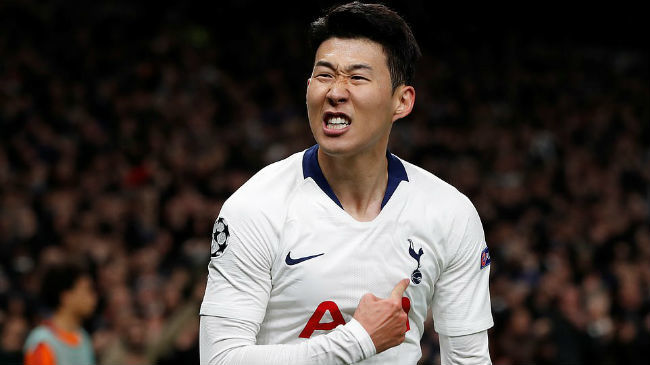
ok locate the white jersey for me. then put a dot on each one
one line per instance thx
(287, 256)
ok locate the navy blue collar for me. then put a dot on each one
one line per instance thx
(311, 168)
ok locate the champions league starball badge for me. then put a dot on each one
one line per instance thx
(220, 237)
(416, 276)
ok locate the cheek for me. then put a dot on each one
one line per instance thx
(375, 105)
(314, 101)
(88, 297)
(312, 93)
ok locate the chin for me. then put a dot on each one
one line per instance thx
(336, 147)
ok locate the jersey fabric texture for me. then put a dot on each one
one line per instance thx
(47, 345)
(286, 255)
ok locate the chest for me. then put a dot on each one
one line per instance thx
(331, 259)
(66, 353)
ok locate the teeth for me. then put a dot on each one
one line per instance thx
(337, 123)
(336, 126)
(337, 120)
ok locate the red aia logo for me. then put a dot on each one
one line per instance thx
(314, 322)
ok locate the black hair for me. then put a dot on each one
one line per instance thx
(57, 279)
(377, 23)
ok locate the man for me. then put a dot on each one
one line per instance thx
(61, 340)
(301, 249)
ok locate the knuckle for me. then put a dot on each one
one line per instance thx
(367, 297)
(399, 339)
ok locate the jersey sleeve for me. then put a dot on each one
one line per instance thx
(468, 349)
(461, 300)
(41, 354)
(239, 272)
(228, 341)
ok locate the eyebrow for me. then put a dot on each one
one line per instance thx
(354, 67)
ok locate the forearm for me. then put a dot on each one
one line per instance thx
(227, 341)
(465, 350)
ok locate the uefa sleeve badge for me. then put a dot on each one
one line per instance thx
(485, 258)
(220, 236)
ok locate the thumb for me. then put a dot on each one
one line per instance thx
(398, 290)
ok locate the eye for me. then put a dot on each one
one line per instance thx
(358, 77)
(324, 75)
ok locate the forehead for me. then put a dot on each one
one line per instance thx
(83, 281)
(345, 51)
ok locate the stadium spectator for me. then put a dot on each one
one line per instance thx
(69, 292)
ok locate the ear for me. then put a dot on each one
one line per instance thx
(307, 89)
(404, 99)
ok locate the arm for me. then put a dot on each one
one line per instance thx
(230, 341)
(461, 303)
(465, 350)
(42, 354)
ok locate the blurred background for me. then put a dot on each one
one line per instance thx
(124, 126)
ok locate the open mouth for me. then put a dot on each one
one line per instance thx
(336, 121)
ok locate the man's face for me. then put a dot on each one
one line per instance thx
(81, 298)
(350, 101)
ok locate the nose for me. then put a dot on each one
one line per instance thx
(338, 93)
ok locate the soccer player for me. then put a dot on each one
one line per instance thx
(61, 340)
(333, 255)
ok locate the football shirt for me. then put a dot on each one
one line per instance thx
(286, 255)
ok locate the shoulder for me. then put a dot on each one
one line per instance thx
(446, 212)
(85, 336)
(443, 209)
(268, 190)
(38, 335)
(258, 209)
(437, 194)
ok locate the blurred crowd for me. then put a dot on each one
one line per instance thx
(121, 136)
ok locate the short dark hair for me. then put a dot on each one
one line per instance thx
(377, 23)
(57, 279)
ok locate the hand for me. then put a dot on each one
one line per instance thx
(384, 319)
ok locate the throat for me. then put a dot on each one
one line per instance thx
(65, 321)
(362, 212)
(358, 181)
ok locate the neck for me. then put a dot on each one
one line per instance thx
(66, 320)
(358, 181)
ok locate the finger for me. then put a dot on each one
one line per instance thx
(369, 297)
(399, 289)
